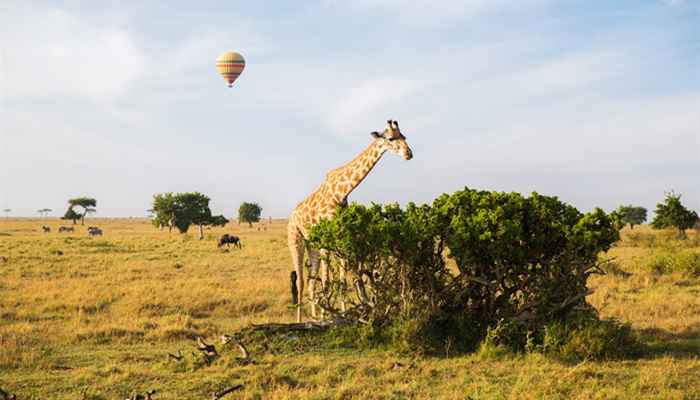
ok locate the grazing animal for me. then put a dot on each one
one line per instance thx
(46, 229)
(171, 223)
(334, 192)
(227, 239)
(67, 230)
(93, 231)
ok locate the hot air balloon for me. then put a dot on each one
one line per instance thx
(230, 65)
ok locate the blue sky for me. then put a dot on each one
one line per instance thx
(595, 102)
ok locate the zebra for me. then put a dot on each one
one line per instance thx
(46, 229)
(67, 230)
(95, 232)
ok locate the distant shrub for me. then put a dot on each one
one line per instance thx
(688, 263)
(659, 263)
(685, 261)
(587, 337)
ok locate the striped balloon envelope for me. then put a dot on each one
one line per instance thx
(230, 65)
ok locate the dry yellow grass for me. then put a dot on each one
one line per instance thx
(93, 318)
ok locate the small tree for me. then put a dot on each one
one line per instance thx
(71, 214)
(249, 212)
(87, 203)
(632, 215)
(7, 212)
(187, 208)
(672, 214)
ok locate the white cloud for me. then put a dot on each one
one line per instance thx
(363, 105)
(51, 52)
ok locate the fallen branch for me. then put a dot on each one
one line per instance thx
(302, 326)
(226, 391)
(139, 397)
(398, 366)
(244, 351)
(208, 350)
(177, 357)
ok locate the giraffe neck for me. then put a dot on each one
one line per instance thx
(344, 180)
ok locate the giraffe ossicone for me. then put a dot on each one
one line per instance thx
(334, 192)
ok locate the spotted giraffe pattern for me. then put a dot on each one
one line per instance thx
(334, 192)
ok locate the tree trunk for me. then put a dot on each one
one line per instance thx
(201, 232)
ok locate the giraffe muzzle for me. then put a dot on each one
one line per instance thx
(407, 154)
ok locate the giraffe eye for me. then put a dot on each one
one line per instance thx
(391, 139)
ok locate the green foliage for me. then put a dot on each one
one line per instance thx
(672, 214)
(249, 212)
(520, 262)
(659, 263)
(187, 209)
(393, 258)
(71, 214)
(586, 337)
(684, 261)
(87, 203)
(219, 220)
(632, 215)
(688, 263)
(522, 259)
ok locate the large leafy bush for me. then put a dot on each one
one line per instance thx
(473, 259)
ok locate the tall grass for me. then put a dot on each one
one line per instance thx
(94, 318)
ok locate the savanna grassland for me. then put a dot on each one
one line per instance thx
(95, 318)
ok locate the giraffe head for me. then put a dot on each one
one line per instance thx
(393, 140)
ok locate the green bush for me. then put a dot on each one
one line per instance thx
(585, 337)
(659, 263)
(682, 260)
(521, 262)
(688, 263)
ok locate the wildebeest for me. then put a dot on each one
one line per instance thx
(46, 229)
(92, 231)
(228, 239)
(67, 230)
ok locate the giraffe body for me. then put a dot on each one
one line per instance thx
(333, 193)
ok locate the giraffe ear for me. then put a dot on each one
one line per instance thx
(377, 135)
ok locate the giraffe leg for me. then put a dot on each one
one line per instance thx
(315, 260)
(296, 247)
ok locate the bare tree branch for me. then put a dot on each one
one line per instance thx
(226, 391)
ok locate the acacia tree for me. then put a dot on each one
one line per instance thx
(672, 214)
(632, 215)
(87, 203)
(71, 214)
(249, 212)
(187, 209)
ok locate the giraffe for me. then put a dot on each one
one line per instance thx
(334, 192)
